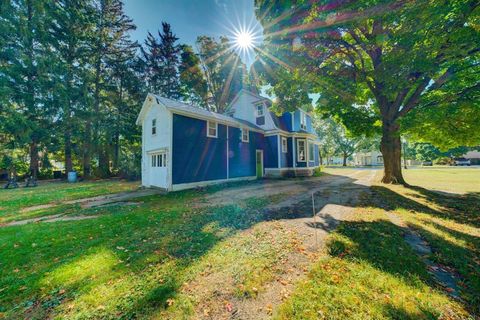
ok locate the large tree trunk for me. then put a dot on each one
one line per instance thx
(345, 156)
(391, 149)
(68, 151)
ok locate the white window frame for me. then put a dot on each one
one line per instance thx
(304, 150)
(303, 120)
(158, 159)
(284, 145)
(311, 155)
(262, 113)
(154, 126)
(208, 129)
(244, 131)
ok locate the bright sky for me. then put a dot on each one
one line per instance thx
(192, 18)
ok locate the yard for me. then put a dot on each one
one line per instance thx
(246, 251)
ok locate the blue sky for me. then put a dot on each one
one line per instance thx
(191, 18)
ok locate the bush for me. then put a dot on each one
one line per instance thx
(317, 172)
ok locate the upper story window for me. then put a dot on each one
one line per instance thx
(260, 110)
(245, 137)
(212, 129)
(284, 145)
(311, 152)
(154, 126)
(303, 120)
(301, 151)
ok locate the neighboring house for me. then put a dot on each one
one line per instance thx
(184, 146)
(473, 156)
(369, 158)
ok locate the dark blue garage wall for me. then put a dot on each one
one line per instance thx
(195, 157)
(271, 152)
(241, 154)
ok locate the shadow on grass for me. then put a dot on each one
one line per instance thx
(164, 230)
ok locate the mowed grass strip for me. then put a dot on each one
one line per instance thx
(13, 200)
(137, 261)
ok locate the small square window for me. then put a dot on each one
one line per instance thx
(212, 129)
(159, 160)
(245, 137)
(154, 161)
(284, 145)
(154, 126)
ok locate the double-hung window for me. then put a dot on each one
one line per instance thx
(284, 145)
(159, 160)
(301, 151)
(311, 152)
(260, 110)
(303, 120)
(154, 127)
(244, 133)
(212, 129)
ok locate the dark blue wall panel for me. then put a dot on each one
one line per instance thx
(242, 155)
(286, 158)
(286, 121)
(317, 156)
(271, 152)
(197, 157)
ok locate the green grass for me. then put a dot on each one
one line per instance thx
(454, 180)
(166, 258)
(136, 261)
(13, 200)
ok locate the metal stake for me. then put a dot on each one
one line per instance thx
(314, 220)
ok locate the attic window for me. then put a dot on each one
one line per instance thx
(303, 120)
(154, 126)
(260, 110)
(245, 135)
(212, 129)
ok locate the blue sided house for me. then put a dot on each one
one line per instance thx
(184, 146)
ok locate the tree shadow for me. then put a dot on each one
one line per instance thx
(183, 235)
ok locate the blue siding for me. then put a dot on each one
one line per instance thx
(197, 157)
(270, 153)
(241, 154)
(317, 156)
(286, 121)
(309, 124)
(296, 122)
(286, 158)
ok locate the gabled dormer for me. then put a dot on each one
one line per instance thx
(253, 108)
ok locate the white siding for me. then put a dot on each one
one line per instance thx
(161, 141)
(244, 108)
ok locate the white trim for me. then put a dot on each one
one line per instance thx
(241, 135)
(170, 155)
(279, 162)
(183, 186)
(290, 134)
(286, 144)
(304, 149)
(228, 156)
(294, 152)
(208, 129)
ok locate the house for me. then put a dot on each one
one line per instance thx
(185, 146)
(473, 156)
(368, 158)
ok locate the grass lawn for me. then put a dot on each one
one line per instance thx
(449, 179)
(168, 258)
(12, 201)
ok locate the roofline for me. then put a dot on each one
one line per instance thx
(259, 97)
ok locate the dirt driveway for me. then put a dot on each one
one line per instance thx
(335, 195)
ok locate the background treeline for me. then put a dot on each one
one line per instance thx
(72, 82)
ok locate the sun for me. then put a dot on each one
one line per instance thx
(244, 40)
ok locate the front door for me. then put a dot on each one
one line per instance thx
(259, 163)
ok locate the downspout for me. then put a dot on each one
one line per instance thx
(228, 160)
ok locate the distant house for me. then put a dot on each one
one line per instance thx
(473, 156)
(369, 158)
(184, 146)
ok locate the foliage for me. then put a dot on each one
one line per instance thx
(382, 64)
